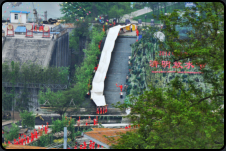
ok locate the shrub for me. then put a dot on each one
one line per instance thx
(13, 133)
(28, 119)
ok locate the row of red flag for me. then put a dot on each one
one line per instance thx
(102, 110)
(91, 145)
(26, 140)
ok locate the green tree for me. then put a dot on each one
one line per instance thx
(6, 100)
(28, 119)
(23, 102)
(58, 125)
(180, 116)
(13, 132)
(118, 9)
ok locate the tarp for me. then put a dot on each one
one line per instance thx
(98, 80)
(20, 29)
(160, 36)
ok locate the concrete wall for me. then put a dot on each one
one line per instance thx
(3, 41)
(23, 50)
(61, 54)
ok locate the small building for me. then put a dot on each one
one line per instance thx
(18, 16)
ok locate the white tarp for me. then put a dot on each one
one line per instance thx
(98, 80)
(160, 36)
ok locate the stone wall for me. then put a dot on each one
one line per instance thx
(61, 55)
(25, 50)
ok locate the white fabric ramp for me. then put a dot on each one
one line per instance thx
(105, 59)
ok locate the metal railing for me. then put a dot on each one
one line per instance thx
(35, 85)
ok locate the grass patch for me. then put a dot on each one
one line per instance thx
(169, 9)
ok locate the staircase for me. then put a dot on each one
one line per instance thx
(117, 71)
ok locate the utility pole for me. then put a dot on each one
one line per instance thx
(65, 137)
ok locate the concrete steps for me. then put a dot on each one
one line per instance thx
(118, 69)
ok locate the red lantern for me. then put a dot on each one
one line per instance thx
(98, 145)
(80, 146)
(75, 147)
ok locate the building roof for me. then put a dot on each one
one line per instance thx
(20, 29)
(25, 147)
(98, 134)
(17, 11)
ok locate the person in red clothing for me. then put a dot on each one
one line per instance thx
(120, 87)
(126, 127)
(137, 32)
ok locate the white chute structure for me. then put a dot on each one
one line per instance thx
(98, 80)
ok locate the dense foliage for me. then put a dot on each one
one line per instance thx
(158, 8)
(59, 125)
(81, 79)
(28, 119)
(75, 10)
(182, 115)
(33, 73)
(13, 132)
(6, 100)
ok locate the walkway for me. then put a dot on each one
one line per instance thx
(135, 14)
(118, 69)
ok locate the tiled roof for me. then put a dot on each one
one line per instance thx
(25, 147)
(98, 133)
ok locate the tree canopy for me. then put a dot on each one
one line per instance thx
(179, 116)
(75, 10)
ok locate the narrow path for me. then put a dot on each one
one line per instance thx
(135, 14)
